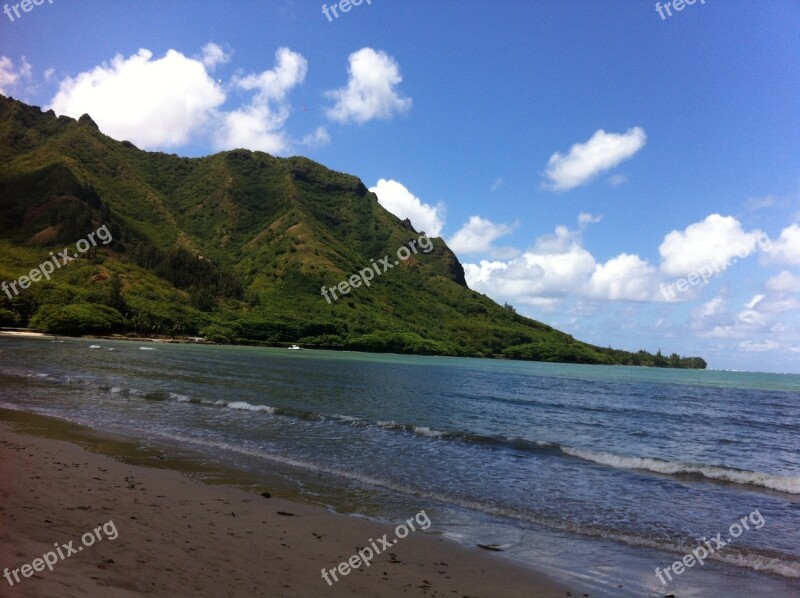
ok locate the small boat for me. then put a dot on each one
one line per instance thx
(295, 348)
(95, 347)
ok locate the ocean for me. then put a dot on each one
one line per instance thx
(598, 474)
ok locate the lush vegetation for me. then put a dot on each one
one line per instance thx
(235, 248)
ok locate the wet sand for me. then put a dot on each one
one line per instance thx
(180, 537)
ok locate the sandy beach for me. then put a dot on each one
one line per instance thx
(176, 536)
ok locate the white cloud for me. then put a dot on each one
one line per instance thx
(260, 124)
(768, 345)
(402, 203)
(153, 103)
(586, 160)
(786, 250)
(710, 243)
(785, 282)
(214, 55)
(12, 77)
(755, 301)
(755, 204)
(371, 90)
(319, 138)
(625, 277)
(477, 235)
(497, 184)
(585, 218)
(166, 102)
(615, 180)
(710, 308)
(559, 266)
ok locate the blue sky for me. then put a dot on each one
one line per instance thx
(579, 157)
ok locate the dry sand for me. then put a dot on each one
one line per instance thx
(180, 537)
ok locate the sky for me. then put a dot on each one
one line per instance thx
(622, 170)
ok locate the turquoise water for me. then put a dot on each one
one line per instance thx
(611, 471)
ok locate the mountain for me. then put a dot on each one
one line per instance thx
(236, 248)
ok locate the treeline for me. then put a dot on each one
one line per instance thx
(202, 278)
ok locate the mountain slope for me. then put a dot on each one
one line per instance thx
(236, 247)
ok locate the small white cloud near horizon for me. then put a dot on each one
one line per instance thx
(477, 236)
(402, 203)
(371, 91)
(585, 161)
(558, 266)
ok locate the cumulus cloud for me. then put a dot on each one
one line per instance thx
(402, 203)
(558, 266)
(260, 124)
(785, 282)
(625, 277)
(717, 240)
(151, 102)
(170, 101)
(319, 138)
(584, 218)
(786, 250)
(586, 160)
(214, 55)
(12, 77)
(371, 91)
(477, 235)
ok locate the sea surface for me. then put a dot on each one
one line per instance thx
(599, 474)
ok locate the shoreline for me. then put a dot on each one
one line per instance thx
(189, 340)
(182, 537)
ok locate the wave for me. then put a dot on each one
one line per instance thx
(755, 479)
(786, 484)
(790, 485)
(773, 562)
(243, 406)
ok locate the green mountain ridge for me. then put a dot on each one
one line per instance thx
(235, 247)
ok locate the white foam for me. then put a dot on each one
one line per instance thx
(426, 431)
(790, 485)
(241, 405)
